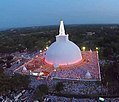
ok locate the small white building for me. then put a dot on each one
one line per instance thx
(88, 75)
(24, 69)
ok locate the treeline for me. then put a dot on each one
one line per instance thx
(106, 37)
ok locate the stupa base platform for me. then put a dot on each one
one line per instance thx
(86, 70)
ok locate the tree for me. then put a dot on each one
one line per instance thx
(20, 81)
(1, 70)
(13, 83)
(59, 86)
(43, 88)
(41, 91)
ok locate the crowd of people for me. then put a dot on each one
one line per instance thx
(78, 71)
(64, 99)
(80, 87)
(83, 88)
(88, 64)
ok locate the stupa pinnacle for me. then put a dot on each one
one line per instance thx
(61, 30)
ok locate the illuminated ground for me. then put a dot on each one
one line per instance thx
(76, 71)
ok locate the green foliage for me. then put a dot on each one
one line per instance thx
(1, 70)
(59, 86)
(38, 37)
(13, 83)
(43, 88)
(41, 91)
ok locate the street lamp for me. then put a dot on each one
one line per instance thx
(46, 47)
(101, 99)
(40, 51)
(83, 48)
(97, 48)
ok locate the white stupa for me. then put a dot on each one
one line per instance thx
(24, 69)
(88, 75)
(63, 51)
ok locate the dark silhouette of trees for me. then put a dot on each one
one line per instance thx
(1, 70)
(41, 91)
(59, 86)
(16, 82)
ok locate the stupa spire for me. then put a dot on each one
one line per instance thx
(61, 29)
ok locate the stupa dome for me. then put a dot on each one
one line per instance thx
(63, 51)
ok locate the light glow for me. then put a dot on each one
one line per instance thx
(50, 63)
(40, 51)
(41, 73)
(35, 74)
(46, 47)
(97, 48)
(101, 99)
(83, 48)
